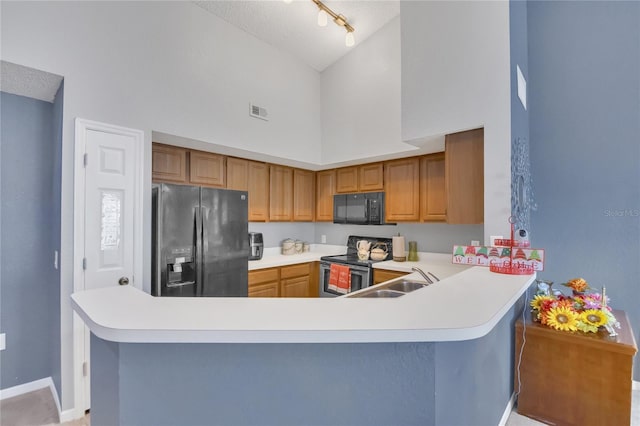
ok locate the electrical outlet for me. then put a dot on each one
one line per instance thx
(323, 239)
(475, 243)
(3, 342)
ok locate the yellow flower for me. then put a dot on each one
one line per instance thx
(593, 317)
(538, 299)
(562, 318)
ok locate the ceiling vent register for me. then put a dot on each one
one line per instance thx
(258, 112)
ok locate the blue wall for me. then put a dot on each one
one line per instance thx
(29, 287)
(584, 66)
(441, 383)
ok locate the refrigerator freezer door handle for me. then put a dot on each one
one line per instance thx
(204, 213)
(197, 231)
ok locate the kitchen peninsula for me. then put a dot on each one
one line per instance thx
(438, 355)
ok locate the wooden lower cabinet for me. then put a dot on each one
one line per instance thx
(295, 280)
(300, 280)
(382, 275)
(264, 283)
(572, 378)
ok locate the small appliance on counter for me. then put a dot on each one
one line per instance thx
(256, 245)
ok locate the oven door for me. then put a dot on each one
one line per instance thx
(360, 278)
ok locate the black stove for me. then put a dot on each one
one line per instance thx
(361, 270)
(351, 257)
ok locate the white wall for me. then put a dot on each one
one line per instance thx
(455, 76)
(164, 66)
(361, 100)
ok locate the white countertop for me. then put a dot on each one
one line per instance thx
(272, 257)
(463, 306)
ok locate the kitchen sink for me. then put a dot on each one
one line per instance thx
(405, 286)
(379, 293)
(393, 289)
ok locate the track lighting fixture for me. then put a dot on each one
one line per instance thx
(340, 20)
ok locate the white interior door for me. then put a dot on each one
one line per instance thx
(109, 252)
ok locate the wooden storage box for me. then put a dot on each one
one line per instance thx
(574, 378)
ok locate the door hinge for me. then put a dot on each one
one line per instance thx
(85, 369)
(85, 159)
(84, 263)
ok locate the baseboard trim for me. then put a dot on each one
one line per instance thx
(26, 388)
(47, 382)
(68, 415)
(507, 410)
(635, 385)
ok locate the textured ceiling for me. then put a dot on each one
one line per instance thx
(28, 82)
(294, 29)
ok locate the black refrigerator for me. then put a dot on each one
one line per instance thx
(200, 241)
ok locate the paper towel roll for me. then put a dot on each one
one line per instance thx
(398, 249)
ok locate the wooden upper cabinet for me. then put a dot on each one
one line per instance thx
(253, 177)
(368, 177)
(303, 195)
(258, 186)
(347, 179)
(207, 169)
(402, 190)
(433, 199)
(237, 174)
(281, 193)
(325, 190)
(464, 178)
(371, 177)
(168, 163)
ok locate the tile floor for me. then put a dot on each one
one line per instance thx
(39, 409)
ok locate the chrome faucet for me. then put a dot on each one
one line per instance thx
(421, 272)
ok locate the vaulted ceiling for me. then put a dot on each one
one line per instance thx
(293, 27)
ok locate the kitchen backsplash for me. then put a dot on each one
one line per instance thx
(432, 237)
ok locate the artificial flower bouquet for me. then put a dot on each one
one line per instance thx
(581, 311)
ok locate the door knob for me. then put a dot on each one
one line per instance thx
(123, 281)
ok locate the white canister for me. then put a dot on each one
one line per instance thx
(399, 254)
(288, 246)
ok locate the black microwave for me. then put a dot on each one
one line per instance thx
(359, 209)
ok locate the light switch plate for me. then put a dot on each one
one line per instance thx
(323, 239)
(3, 342)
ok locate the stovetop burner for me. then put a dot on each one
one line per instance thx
(351, 257)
